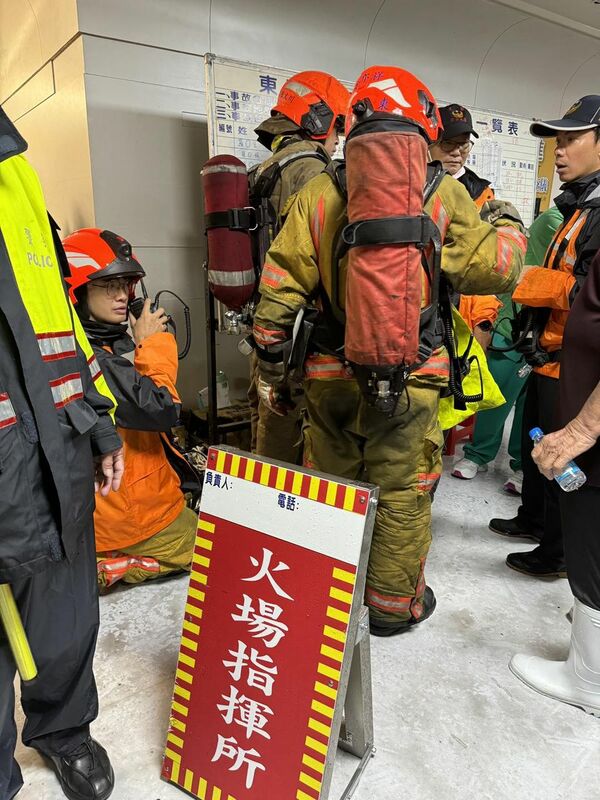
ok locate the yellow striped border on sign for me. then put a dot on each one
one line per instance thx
(173, 769)
(326, 687)
(311, 487)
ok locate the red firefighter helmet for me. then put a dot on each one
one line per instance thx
(391, 90)
(94, 253)
(315, 101)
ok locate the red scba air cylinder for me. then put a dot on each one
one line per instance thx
(386, 173)
(231, 274)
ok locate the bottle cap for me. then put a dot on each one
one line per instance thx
(535, 432)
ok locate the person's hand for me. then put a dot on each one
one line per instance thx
(149, 322)
(555, 450)
(275, 398)
(109, 471)
(494, 211)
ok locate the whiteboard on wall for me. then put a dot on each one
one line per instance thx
(240, 96)
(507, 155)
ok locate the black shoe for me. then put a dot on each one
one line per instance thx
(86, 774)
(513, 529)
(531, 564)
(380, 628)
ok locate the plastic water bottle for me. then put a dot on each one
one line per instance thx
(569, 480)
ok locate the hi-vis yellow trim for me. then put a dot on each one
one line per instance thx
(187, 660)
(321, 708)
(189, 643)
(176, 740)
(209, 527)
(191, 627)
(200, 577)
(334, 633)
(193, 611)
(175, 773)
(338, 594)
(205, 544)
(189, 780)
(314, 784)
(178, 724)
(319, 727)
(313, 489)
(180, 709)
(330, 652)
(311, 762)
(249, 473)
(202, 786)
(216, 793)
(322, 688)
(329, 672)
(175, 757)
(281, 476)
(196, 594)
(297, 483)
(344, 575)
(335, 613)
(220, 461)
(201, 561)
(184, 676)
(314, 744)
(331, 493)
(235, 465)
(265, 473)
(349, 498)
(300, 795)
(179, 690)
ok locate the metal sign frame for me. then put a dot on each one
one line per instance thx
(352, 719)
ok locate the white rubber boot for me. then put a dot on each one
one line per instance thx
(577, 680)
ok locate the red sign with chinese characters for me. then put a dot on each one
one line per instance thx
(263, 641)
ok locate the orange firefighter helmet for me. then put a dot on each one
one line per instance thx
(94, 253)
(391, 90)
(315, 101)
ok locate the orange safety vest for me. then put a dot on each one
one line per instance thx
(561, 257)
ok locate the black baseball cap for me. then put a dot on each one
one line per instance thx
(456, 121)
(584, 115)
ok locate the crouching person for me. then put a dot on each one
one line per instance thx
(146, 531)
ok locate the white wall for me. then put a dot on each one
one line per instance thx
(144, 85)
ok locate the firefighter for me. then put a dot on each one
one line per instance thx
(146, 531)
(345, 436)
(55, 424)
(550, 288)
(302, 133)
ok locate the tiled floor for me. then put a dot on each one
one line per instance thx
(452, 723)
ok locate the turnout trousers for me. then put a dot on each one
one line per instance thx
(59, 609)
(401, 454)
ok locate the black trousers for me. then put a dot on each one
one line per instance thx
(59, 608)
(580, 512)
(539, 510)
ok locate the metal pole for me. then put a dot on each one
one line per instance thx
(211, 361)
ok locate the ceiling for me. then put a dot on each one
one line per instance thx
(580, 15)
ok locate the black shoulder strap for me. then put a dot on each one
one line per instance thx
(435, 175)
(337, 172)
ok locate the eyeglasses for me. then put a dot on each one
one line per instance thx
(462, 147)
(115, 286)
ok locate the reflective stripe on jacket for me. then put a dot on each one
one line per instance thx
(554, 285)
(51, 413)
(477, 257)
